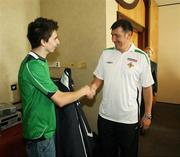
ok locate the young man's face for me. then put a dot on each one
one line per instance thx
(120, 38)
(52, 43)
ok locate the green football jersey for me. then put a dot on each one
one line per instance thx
(36, 88)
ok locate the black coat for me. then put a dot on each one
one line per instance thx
(74, 137)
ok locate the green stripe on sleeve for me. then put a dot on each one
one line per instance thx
(110, 48)
(142, 52)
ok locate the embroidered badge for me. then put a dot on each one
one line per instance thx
(130, 65)
(131, 59)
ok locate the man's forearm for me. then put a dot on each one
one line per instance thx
(148, 97)
(96, 84)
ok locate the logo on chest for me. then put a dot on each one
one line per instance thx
(132, 59)
(131, 62)
(130, 65)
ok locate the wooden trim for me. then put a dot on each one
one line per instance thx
(127, 5)
(143, 32)
(164, 5)
(135, 25)
(147, 4)
(138, 28)
(141, 41)
(167, 103)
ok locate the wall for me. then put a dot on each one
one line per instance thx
(111, 17)
(169, 54)
(84, 32)
(14, 17)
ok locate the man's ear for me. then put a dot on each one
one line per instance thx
(129, 34)
(43, 42)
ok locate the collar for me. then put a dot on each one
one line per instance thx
(131, 49)
(36, 56)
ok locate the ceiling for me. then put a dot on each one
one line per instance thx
(163, 2)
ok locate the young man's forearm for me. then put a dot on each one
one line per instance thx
(64, 98)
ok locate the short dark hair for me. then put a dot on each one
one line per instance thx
(126, 25)
(40, 28)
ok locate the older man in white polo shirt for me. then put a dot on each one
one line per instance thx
(123, 70)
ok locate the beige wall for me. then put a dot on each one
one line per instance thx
(111, 17)
(14, 16)
(169, 54)
(84, 33)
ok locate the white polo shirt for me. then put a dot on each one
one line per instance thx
(124, 74)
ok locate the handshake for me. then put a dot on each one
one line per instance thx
(89, 91)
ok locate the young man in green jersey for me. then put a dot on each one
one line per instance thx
(39, 93)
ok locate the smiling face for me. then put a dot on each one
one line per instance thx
(52, 42)
(120, 38)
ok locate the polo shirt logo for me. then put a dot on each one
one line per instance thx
(130, 65)
(131, 59)
(109, 62)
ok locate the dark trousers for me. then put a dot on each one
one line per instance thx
(117, 139)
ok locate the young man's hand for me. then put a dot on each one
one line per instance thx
(92, 93)
(86, 90)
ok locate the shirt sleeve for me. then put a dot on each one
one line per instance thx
(99, 72)
(40, 78)
(146, 75)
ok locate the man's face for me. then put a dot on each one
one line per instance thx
(52, 43)
(120, 38)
